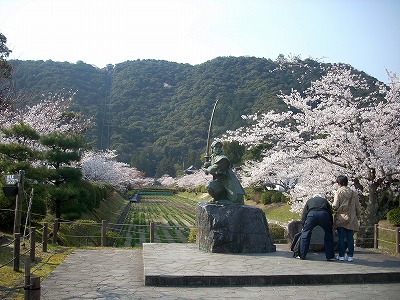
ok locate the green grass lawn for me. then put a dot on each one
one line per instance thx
(109, 209)
(44, 264)
(281, 213)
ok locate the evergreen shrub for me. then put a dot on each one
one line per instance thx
(265, 198)
(277, 233)
(272, 196)
(253, 194)
(276, 197)
(393, 216)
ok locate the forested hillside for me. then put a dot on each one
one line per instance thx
(156, 113)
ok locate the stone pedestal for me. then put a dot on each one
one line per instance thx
(232, 228)
(317, 236)
(293, 228)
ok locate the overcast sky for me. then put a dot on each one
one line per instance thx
(362, 33)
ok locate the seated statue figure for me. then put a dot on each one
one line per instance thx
(225, 187)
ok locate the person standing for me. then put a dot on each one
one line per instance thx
(317, 211)
(347, 210)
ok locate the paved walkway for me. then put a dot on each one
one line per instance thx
(120, 274)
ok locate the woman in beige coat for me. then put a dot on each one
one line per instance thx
(348, 211)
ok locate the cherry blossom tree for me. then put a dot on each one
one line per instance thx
(342, 124)
(167, 181)
(50, 115)
(101, 167)
(187, 181)
(53, 115)
(193, 180)
(48, 137)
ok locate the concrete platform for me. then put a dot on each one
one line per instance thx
(105, 274)
(185, 265)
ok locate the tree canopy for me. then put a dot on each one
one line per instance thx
(341, 124)
(5, 73)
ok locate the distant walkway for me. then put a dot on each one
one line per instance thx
(119, 274)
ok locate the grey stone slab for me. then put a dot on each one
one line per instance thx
(184, 264)
(104, 283)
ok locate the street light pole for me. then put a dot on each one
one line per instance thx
(18, 202)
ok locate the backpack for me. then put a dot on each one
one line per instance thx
(295, 245)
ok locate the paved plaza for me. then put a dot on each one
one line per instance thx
(181, 271)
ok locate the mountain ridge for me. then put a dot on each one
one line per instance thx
(155, 113)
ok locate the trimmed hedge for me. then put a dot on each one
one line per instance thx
(393, 216)
(272, 197)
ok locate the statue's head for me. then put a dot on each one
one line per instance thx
(216, 147)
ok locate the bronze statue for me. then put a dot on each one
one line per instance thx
(225, 187)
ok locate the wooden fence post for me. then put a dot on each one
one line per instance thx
(27, 278)
(33, 244)
(151, 232)
(45, 237)
(55, 229)
(397, 239)
(376, 236)
(103, 233)
(35, 288)
(17, 250)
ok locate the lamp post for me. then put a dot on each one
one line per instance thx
(18, 201)
(15, 187)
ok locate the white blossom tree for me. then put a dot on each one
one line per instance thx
(101, 167)
(53, 115)
(188, 181)
(47, 139)
(50, 115)
(342, 124)
(193, 180)
(167, 181)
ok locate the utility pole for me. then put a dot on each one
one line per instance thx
(18, 202)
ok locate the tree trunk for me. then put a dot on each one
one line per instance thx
(369, 217)
(58, 209)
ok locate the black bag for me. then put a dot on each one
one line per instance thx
(295, 246)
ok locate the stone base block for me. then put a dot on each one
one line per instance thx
(317, 236)
(232, 228)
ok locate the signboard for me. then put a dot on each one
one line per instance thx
(11, 179)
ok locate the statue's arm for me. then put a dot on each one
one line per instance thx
(212, 169)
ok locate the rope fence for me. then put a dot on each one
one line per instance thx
(101, 232)
(31, 285)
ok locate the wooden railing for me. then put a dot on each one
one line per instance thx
(382, 236)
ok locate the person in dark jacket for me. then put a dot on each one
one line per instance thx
(317, 211)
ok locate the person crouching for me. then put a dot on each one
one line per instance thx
(317, 211)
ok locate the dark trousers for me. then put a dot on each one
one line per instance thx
(323, 219)
(349, 235)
